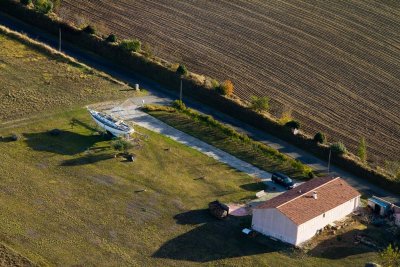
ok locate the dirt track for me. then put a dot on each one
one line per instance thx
(335, 64)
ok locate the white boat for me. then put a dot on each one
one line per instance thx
(110, 124)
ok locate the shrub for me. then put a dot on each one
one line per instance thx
(182, 70)
(147, 51)
(214, 84)
(43, 6)
(89, 29)
(178, 104)
(390, 256)
(259, 103)
(338, 148)
(120, 144)
(26, 2)
(226, 88)
(131, 45)
(293, 124)
(112, 38)
(320, 138)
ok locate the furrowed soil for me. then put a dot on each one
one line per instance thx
(334, 65)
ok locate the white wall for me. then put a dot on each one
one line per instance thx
(308, 229)
(272, 222)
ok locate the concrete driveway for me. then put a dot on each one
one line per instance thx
(129, 112)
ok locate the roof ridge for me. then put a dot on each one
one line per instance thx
(307, 192)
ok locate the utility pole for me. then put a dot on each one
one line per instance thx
(329, 160)
(180, 92)
(59, 39)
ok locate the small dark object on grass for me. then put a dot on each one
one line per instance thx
(167, 149)
(55, 132)
(218, 210)
(200, 178)
(141, 190)
(15, 137)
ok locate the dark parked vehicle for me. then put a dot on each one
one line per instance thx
(282, 179)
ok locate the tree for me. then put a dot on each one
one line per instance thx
(182, 70)
(362, 150)
(293, 124)
(178, 104)
(43, 6)
(131, 45)
(112, 38)
(26, 2)
(320, 138)
(390, 256)
(226, 88)
(259, 103)
(89, 29)
(338, 148)
(120, 144)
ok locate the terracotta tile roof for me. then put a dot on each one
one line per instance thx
(299, 205)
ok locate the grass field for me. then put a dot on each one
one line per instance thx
(33, 82)
(248, 151)
(65, 200)
(334, 64)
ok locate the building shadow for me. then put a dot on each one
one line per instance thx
(213, 239)
(64, 143)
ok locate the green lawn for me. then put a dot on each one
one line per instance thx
(248, 151)
(65, 200)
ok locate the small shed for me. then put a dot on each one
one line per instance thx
(379, 206)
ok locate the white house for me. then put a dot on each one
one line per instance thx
(296, 215)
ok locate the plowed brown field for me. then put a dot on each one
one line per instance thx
(336, 64)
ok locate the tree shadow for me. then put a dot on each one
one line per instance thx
(65, 143)
(213, 239)
(88, 159)
(6, 139)
(254, 187)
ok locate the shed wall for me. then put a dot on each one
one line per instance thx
(272, 222)
(308, 229)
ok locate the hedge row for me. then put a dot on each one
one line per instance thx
(164, 75)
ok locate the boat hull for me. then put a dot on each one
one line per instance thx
(112, 130)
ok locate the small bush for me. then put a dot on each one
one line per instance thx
(43, 6)
(293, 124)
(226, 88)
(320, 138)
(178, 104)
(131, 45)
(89, 29)
(120, 144)
(26, 2)
(147, 51)
(338, 148)
(182, 70)
(259, 103)
(112, 38)
(362, 150)
(214, 84)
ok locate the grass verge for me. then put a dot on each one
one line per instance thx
(209, 130)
